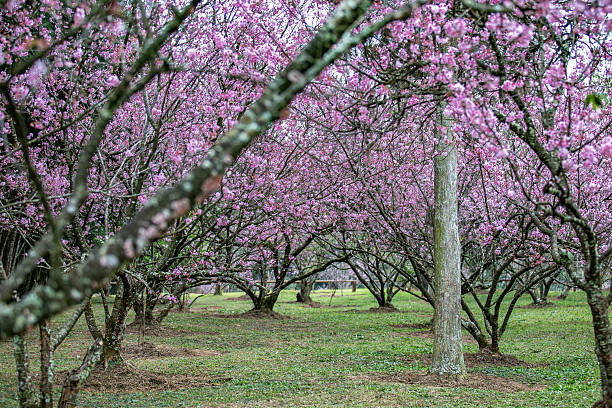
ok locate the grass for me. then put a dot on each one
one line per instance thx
(319, 356)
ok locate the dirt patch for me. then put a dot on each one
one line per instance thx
(198, 309)
(347, 292)
(242, 297)
(203, 309)
(252, 314)
(472, 380)
(318, 305)
(157, 330)
(488, 359)
(383, 309)
(124, 378)
(386, 310)
(375, 310)
(479, 360)
(313, 304)
(426, 325)
(178, 311)
(428, 334)
(537, 306)
(207, 308)
(150, 351)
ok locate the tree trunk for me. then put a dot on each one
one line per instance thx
(115, 326)
(265, 303)
(27, 395)
(447, 351)
(218, 289)
(147, 316)
(303, 295)
(546, 285)
(477, 335)
(494, 347)
(535, 299)
(111, 353)
(46, 366)
(384, 302)
(564, 292)
(76, 378)
(473, 327)
(603, 340)
(163, 313)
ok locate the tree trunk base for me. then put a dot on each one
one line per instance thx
(138, 323)
(110, 357)
(448, 377)
(386, 308)
(488, 349)
(300, 298)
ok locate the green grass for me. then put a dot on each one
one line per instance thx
(315, 358)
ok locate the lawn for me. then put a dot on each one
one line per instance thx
(339, 354)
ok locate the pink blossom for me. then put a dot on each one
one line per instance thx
(606, 147)
(79, 16)
(502, 153)
(20, 92)
(455, 28)
(113, 81)
(192, 53)
(219, 41)
(36, 73)
(510, 86)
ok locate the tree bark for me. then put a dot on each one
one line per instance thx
(27, 395)
(564, 292)
(266, 302)
(447, 351)
(303, 295)
(144, 312)
(598, 304)
(77, 377)
(46, 366)
(115, 326)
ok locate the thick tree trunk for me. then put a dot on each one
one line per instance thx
(603, 340)
(384, 302)
(546, 285)
(218, 289)
(115, 326)
(144, 312)
(138, 307)
(303, 295)
(494, 347)
(266, 302)
(535, 299)
(564, 292)
(386, 305)
(447, 351)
